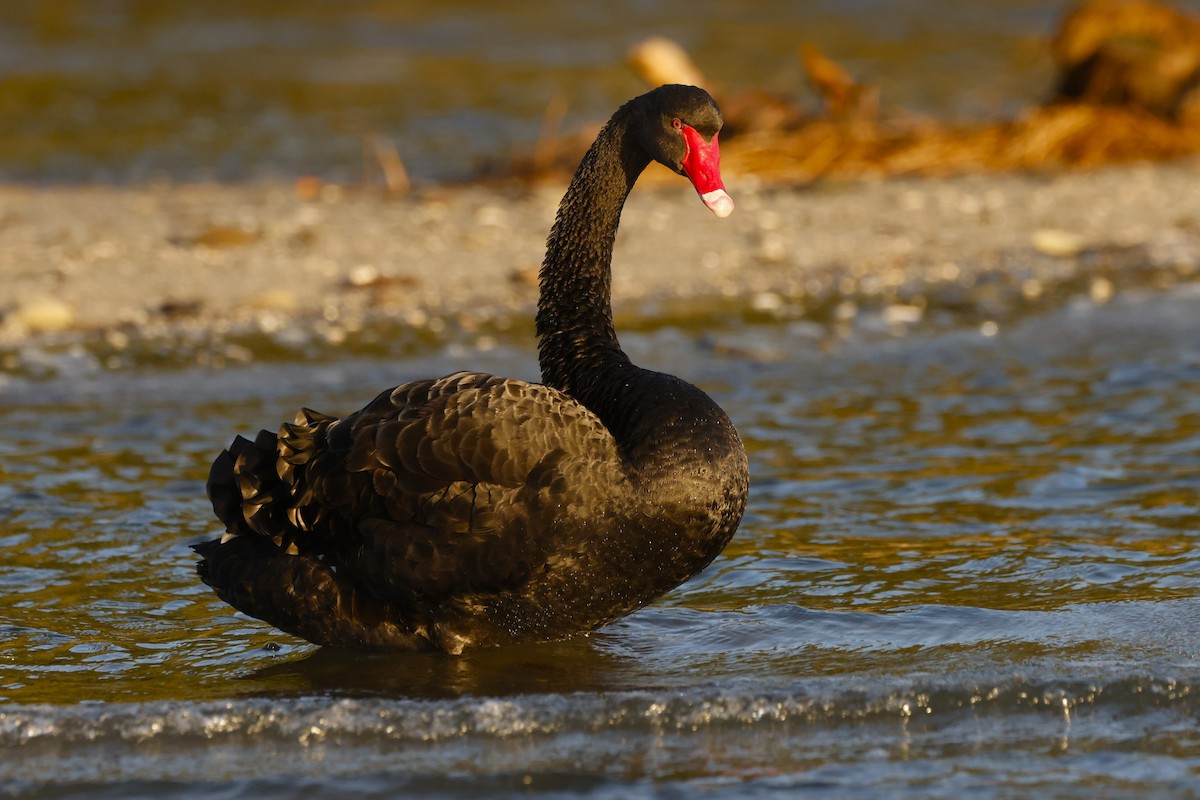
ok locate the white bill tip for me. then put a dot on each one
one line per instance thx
(718, 202)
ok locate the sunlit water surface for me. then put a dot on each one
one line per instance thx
(969, 567)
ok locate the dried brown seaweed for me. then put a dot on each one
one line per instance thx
(1128, 88)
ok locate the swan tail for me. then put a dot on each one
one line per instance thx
(266, 486)
(269, 562)
(245, 487)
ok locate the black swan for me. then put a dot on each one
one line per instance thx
(472, 510)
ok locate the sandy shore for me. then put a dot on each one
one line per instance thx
(82, 261)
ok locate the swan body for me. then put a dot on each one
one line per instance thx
(473, 510)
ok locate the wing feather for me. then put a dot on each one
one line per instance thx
(434, 488)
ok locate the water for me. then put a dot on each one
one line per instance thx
(129, 90)
(969, 567)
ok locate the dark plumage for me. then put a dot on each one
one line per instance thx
(474, 510)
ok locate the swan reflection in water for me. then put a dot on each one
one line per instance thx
(577, 664)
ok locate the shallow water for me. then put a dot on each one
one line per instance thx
(969, 566)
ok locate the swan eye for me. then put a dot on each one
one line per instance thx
(677, 124)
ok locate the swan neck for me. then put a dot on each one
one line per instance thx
(576, 339)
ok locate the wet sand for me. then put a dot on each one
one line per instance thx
(147, 260)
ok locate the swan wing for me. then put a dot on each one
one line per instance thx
(437, 488)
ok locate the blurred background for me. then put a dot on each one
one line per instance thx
(134, 90)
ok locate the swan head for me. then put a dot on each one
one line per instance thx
(683, 123)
